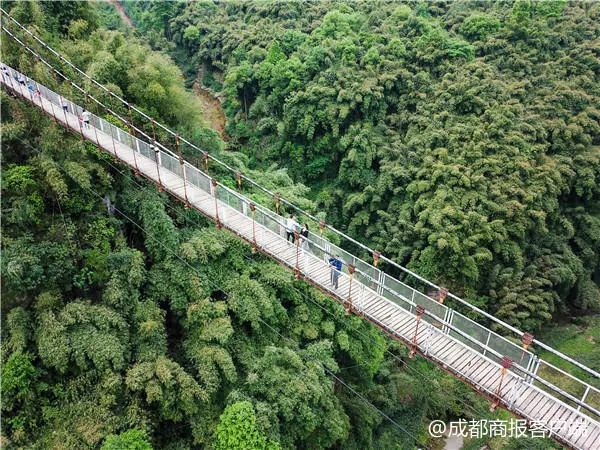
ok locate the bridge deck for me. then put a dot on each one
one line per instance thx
(517, 394)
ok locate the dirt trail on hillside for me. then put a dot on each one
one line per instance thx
(211, 105)
(122, 13)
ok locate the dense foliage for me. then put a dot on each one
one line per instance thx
(145, 327)
(460, 138)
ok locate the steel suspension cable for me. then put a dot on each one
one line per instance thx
(306, 297)
(291, 205)
(254, 183)
(124, 120)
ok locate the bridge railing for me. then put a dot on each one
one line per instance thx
(576, 392)
(570, 389)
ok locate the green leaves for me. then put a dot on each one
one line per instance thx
(128, 440)
(237, 430)
(167, 385)
(18, 378)
(300, 393)
(209, 330)
(480, 26)
(88, 335)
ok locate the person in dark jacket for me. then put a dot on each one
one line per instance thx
(336, 268)
(304, 237)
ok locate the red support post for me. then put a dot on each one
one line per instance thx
(156, 154)
(375, 278)
(205, 157)
(64, 106)
(351, 270)
(506, 364)
(80, 121)
(413, 350)
(277, 198)
(182, 165)
(157, 160)
(526, 340)
(95, 129)
(442, 294)
(297, 241)
(112, 136)
(376, 256)
(215, 185)
(132, 133)
(254, 243)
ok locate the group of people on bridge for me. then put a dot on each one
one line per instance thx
(84, 117)
(294, 231)
(296, 234)
(292, 227)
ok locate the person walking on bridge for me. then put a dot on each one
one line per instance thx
(85, 117)
(290, 227)
(6, 74)
(336, 268)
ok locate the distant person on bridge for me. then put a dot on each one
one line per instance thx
(34, 92)
(85, 117)
(6, 74)
(290, 226)
(336, 267)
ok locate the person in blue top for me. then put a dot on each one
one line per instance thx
(336, 268)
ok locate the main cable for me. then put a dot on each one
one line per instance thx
(225, 165)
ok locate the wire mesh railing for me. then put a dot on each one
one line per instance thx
(575, 391)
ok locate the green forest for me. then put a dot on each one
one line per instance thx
(461, 139)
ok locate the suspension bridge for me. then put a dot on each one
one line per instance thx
(501, 365)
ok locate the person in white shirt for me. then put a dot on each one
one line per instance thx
(290, 226)
(85, 117)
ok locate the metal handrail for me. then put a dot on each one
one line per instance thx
(280, 221)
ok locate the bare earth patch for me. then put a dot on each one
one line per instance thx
(212, 111)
